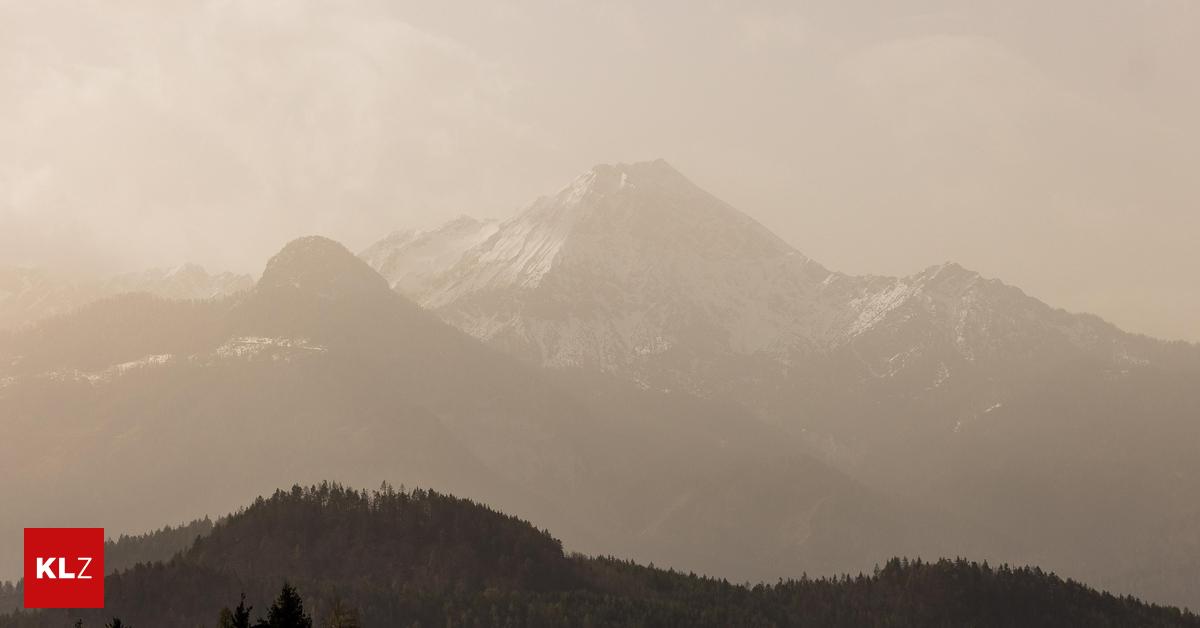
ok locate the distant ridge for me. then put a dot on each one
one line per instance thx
(29, 295)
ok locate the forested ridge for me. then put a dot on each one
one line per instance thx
(332, 556)
(130, 549)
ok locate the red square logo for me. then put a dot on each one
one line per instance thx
(64, 567)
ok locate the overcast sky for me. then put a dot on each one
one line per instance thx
(1052, 144)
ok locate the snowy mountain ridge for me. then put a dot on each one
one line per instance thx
(631, 261)
(410, 259)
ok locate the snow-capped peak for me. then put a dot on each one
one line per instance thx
(629, 262)
(609, 178)
(618, 221)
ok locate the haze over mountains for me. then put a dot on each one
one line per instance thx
(944, 387)
(642, 263)
(659, 377)
(194, 407)
(28, 295)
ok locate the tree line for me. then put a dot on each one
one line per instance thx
(407, 559)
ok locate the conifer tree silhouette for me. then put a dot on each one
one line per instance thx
(238, 617)
(287, 611)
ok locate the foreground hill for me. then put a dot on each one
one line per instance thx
(421, 558)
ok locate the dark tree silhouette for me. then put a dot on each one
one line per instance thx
(287, 611)
(420, 558)
(237, 618)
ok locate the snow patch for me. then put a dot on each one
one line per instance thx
(873, 308)
(149, 361)
(246, 347)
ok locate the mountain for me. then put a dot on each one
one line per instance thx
(144, 409)
(401, 558)
(633, 264)
(632, 269)
(946, 389)
(30, 295)
(625, 264)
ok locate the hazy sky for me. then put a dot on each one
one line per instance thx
(1052, 144)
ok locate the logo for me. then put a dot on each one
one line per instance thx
(64, 567)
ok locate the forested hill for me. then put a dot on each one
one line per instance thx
(420, 558)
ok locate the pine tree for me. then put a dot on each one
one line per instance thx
(241, 614)
(238, 617)
(287, 611)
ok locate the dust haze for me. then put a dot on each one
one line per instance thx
(616, 303)
(1053, 146)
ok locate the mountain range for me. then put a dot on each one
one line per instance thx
(191, 407)
(944, 388)
(632, 266)
(647, 371)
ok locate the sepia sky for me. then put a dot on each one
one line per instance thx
(1054, 145)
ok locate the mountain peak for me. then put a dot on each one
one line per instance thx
(465, 220)
(320, 266)
(657, 168)
(947, 270)
(606, 179)
(187, 269)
